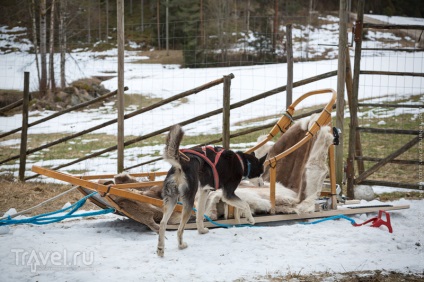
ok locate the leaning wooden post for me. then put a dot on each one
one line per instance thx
(120, 28)
(226, 112)
(24, 132)
(354, 109)
(289, 47)
(354, 120)
(341, 74)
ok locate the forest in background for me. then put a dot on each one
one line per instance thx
(207, 31)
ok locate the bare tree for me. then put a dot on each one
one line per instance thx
(51, 51)
(43, 47)
(34, 38)
(158, 21)
(62, 41)
(107, 20)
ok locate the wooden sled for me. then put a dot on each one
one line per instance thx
(87, 184)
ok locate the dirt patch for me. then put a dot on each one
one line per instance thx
(354, 276)
(21, 196)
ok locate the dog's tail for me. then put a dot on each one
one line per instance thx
(173, 140)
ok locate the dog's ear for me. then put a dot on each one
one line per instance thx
(262, 160)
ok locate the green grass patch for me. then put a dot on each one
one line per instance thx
(140, 101)
(386, 197)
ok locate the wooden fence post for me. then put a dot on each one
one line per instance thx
(354, 107)
(120, 28)
(226, 113)
(341, 74)
(289, 45)
(24, 133)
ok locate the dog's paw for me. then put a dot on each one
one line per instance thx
(182, 246)
(251, 220)
(203, 230)
(160, 251)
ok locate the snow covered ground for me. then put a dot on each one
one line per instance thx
(112, 248)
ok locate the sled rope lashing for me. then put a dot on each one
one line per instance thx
(52, 217)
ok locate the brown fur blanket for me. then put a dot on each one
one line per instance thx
(144, 213)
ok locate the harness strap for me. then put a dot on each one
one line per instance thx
(206, 159)
(242, 164)
(213, 164)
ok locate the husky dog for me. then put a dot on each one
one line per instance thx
(200, 170)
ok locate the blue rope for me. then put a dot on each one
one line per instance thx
(331, 218)
(46, 218)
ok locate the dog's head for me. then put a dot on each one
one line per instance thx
(255, 166)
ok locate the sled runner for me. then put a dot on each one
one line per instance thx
(286, 154)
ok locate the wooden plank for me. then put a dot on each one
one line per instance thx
(393, 26)
(11, 106)
(285, 217)
(395, 49)
(141, 174)
(391, 105)
(388, 131)
(392, 73)
(393, 184)
(137, 185)
(407, 162)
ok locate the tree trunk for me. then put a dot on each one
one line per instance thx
(89, 22)
(275, 27)
(43, 47)
(62, 42)
(107, 20)
(34, 38)
(158, 21)
(51, 59)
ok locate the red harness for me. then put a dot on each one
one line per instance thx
(204, 156)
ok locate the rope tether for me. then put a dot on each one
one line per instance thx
(47, 218)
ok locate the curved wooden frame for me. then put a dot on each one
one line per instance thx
(283, 124)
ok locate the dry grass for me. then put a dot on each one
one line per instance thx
(161, 57)
(22, 196)
(353, 276)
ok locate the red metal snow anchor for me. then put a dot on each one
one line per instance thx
(378, 221)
